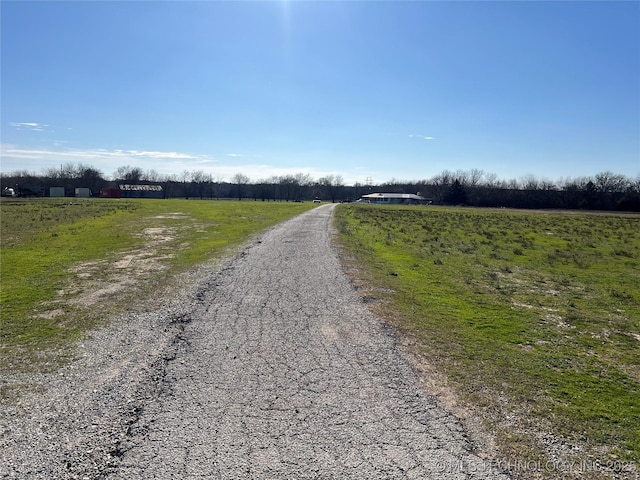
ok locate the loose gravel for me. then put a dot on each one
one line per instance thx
(268, 367)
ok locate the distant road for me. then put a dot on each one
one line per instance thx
(285, 374)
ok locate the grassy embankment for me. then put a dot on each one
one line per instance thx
(54, 251)
(533, 317)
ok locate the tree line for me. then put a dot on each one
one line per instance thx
(603, 191)
(195, 184)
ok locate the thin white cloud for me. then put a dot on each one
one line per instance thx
(233, 155)
(169, 155)
(423, 137)
(18, 158)
(261, 171)
(37, 127)
(17, 152)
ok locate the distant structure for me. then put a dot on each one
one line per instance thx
(109, 193)
(133, 191)
(24, 191)
(141, 191)
(56, 191)
(393, 199)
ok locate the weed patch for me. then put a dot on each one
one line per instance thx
(69, 263)
(533, 316)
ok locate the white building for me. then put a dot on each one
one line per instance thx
(393, 198)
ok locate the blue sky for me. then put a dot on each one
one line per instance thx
(362, 89)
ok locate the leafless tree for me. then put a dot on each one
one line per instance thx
(333, 184)
(151, 176)
(462, 176)
(475, 176)
(287, 185)
(441, 183)
(185, 178)
(240, 180)
(609, 182)
(491, 180)
(546, 184)
(128, 174)
(529, 182)
(199, 181)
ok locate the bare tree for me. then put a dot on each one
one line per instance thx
(491, 180)
(529, 182)
(546, 184)
(609, 182)
(462, 176)
(287, 185)
(511, 184)
(333, 184)
(199, 183)
(303, 180)
(240, 180)
(475, 176)
(441, 183)
(89, 177)
(151, 176)
(185, 178)
(128, 174)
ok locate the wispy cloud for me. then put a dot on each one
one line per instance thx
(100, 153)
(38, 127)
(154, 154)
(19, 158)
(423, 137)
(16, 158)
(263, 171)
(24, 124)
(233, 155)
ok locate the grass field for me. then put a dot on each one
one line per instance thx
(69, 263)
(534, 317)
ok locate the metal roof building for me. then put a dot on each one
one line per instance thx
(392, 198)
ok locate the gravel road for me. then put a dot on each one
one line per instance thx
(271, 368)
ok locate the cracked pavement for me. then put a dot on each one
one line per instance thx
(276, 369)
(284, 373)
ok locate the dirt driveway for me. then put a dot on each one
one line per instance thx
(271, 368)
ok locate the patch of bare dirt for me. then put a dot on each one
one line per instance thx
(91, 282)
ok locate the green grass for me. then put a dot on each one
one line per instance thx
(530, 313)
(44, 240)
